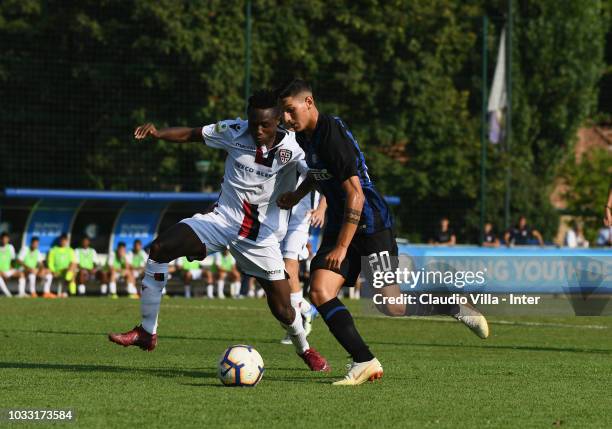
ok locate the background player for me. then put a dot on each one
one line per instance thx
(261, 159)
(30, 259)
(294, 249)
(7, 272)
(88, 267)
(224, 268)
(61, 262)
(120, 267)
(138, 259)
(192, 271)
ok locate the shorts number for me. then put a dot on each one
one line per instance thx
(380, 261)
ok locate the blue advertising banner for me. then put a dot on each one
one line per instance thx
(138, 220)
(49, 219)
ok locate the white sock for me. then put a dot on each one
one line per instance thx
(235, 289)
(4, 288)
(82, 289)
(297, 334)
(103, 289)
(209, 291)
(357, 293)
(187, 291)
(299, 303)
(351, 293)
(131, 289)
(59, 288)
(261, 293)
(48, 281)
(220, 285)
(112, 288)
(21, 284)
(32, 283)
(154, 281)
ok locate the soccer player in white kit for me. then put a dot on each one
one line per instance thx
(261, 160)
(309, 211)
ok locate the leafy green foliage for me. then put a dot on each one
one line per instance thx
(77, 77)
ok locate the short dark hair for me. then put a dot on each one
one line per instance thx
(120, 244)
(264, 99)
(35, 238)
(293, 87)
(4, 234)
(137, 241)
(63, 237)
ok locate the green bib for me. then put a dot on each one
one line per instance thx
(193, 265)
(62, 257)
(138, 260)
(31, 258)
(226, 263)
(5, 258)
(86, 258)
(119, 264)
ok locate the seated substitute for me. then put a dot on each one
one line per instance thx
(120, 268)
(61, 262)
(30, 260)
(7, 271)
(88, 267)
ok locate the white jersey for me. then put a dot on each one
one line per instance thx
(254, 178)
(300, 218)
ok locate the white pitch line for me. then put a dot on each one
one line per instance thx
(419, 318)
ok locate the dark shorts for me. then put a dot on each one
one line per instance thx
(377, 252)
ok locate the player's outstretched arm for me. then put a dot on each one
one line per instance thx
(172, 134)
(289, 199)
(352, 214)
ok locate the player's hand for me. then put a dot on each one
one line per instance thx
(607, 216)
(317, 217)
(287, 200)
(146, 130)
(335, 257)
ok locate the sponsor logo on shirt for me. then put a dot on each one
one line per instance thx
(319, 174)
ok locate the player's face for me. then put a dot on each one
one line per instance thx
(34, 244)
(5, 240)
(63, 242)
(262, 125)
(296, 111)
(137, 246)
(120, 251)
(85, 243)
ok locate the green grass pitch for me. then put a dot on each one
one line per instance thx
(545, 373)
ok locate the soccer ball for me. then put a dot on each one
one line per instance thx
(240, 365)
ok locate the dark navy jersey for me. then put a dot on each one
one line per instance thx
(333, 156)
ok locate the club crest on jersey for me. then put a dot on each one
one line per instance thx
(284, 155)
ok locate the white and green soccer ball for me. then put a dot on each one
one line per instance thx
(240, 365)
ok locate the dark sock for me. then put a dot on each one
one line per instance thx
(341, 324)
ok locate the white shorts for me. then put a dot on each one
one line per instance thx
(195, 274)
(262, 261)
(9, 273)
(293, 245)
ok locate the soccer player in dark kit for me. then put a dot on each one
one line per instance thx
(359, 222)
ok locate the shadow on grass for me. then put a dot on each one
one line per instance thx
(158, 372)
(208, 377)
(498, 347)
(229, 340)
